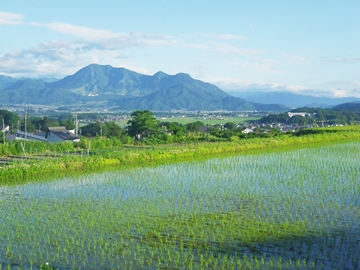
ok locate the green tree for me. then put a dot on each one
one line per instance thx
(68, 124)
(94, 129)
(10, 118)
(44, 123)
(194, 126)
(114, 130)
(275, 118)
(174, 128)
(143, 124)
(230, 126)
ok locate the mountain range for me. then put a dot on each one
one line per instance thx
(290, 99)
(106, 86)
(103, 86)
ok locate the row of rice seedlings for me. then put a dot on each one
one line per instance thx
(297, 209)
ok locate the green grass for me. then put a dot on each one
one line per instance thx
(32, 170)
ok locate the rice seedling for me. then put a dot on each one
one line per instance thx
(294, 209)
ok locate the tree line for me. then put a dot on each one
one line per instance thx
(144, 128)
(314, 115)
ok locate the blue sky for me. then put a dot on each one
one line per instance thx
(306, 46)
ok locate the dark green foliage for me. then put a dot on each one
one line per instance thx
(194, 126)
(143, 123)
(275, 118)
(174, 128)
(93, 129)
(312, 131)
(107, 129)
(230, 126)
(68, 124)
(43, 123)
(10, 118)
(332, 116)
(300, 120)
(314, 115)
(351, 106)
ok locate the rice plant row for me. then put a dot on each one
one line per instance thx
(296, 209)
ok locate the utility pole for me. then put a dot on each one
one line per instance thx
(24, 145)
(100, 130)
(3, 130)
(76, 124)
(25, 123)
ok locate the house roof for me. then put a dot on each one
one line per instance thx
(63, 133)
(30, 135)
(4, 128)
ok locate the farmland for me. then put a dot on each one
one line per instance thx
(290, 209)
(206, 120)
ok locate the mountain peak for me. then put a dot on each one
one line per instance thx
(105, 85)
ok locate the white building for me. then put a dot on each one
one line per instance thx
(291, 114)
(247, 131)
(4, 128)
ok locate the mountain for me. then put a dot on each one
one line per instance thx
(291, 100)
(6, 81)
(105, 86)
(349, 106)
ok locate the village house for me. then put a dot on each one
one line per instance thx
(4, 128)
(21, 135)
(60, 134)
(247, 131)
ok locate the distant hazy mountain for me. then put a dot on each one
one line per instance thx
(291, 100)
(127, 90)
(6, 81)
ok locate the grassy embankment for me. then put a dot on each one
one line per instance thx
(27, 170)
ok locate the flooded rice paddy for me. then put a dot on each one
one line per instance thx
(285, 210)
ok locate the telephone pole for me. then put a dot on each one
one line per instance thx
(76, 124)
(3, 130)
(25, 124)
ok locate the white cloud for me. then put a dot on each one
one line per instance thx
(245, 85)
(105, 39)
(295, 59)
(10, 18)
(230, 84)
(339, 93)
(198, 71)
(256, 66)
(57, 58)
(351, 60)
(60, 58)
(224, 48)
(135, 39)
(78, 31)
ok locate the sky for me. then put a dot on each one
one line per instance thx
(308, 47)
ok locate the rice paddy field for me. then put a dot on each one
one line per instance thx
(297, 209)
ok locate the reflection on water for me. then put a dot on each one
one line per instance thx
(317, 185)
